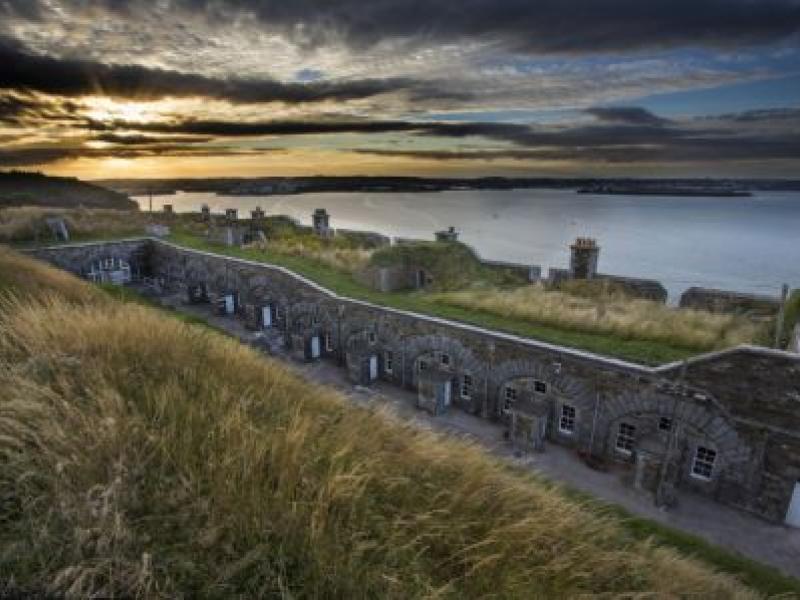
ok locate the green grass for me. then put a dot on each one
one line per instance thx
(641, 351)
(142, 457)
(765, 578)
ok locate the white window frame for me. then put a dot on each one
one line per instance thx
(705, 462)
(388, 361)
(567, 419)
(466, 386)
(626, 438)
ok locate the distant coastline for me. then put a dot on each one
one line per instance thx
(664, 191)
(273, 186)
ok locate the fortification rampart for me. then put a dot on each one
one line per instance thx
(723, 424)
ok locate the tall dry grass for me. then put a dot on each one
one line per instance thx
(611, 313)
(28, 223)
(342, 258)
(201, 469)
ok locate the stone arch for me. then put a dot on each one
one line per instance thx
(579, 394)
(699, 419)
(311, 316)
(463, 357)
(463, 362)
(196, 271)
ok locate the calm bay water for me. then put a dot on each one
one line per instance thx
(745, 244)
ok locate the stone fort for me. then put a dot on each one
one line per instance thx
(725, 425)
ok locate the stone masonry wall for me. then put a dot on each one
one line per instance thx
(743, 404)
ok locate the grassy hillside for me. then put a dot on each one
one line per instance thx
(19, 188)
(206, 470)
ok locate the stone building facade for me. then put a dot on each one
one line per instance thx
(725, 424)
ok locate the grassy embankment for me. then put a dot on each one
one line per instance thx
(605, 323)
(144, 456)
(631, 343)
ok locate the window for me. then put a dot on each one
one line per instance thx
(422, 365)
(566, 424)
(371, 337)
(665, 424)
(108, 263)
(315, 320)
(328, 342)
(388, 361)
(703, 465)
(539, 387)
(466, 387)
(625, 438)
(445, 359)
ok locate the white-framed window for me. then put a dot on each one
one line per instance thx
(108, 263)
(703, 463)
(626, 436)
(510, 395)
(540, 387)
(566, 422)
(444, 359)
(665, 424)
(466, 386)
(328, 342)
(422, 365)
(388, 361)
(371, 337)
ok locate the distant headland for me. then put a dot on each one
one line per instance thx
(299, 185)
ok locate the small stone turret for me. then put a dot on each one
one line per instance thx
(231, 215)
(257, 214)
(205, 212)
(448, 235)
(321, 223)
(583, 258)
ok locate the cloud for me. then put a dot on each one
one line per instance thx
(33, 156)
(146, 140)
(25, 71)
(544, 26)
(631, 115)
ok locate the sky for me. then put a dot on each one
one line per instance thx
(202, 88)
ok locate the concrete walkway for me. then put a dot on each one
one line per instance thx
(735, 530)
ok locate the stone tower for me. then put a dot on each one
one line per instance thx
(321, 222)
(205, 212)
(583, 258)
(231, 215)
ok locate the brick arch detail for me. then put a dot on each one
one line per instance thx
(710, 421)
(573, 388)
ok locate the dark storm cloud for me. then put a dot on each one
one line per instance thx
(146, 140)
(764, 115)
(26, 71)
(25, 110)
(25, 157)
(619, 138)
(632, 115)
(542, 26)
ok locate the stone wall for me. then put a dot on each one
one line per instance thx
(741, 406)
(722, 301)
